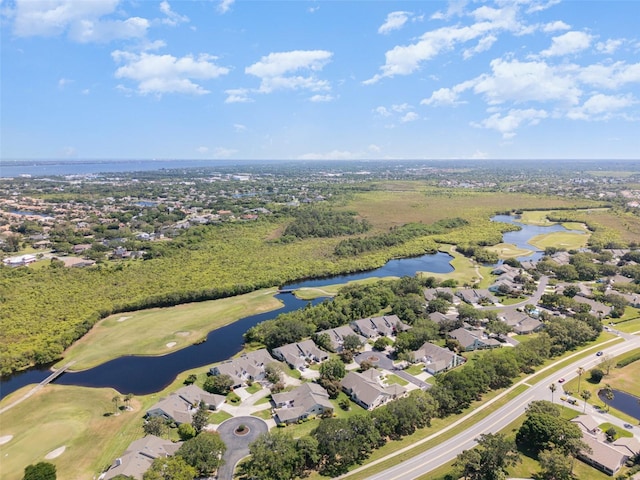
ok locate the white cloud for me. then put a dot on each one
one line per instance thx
(69, 152)
(238, 127)
(238, 95)
(409, 117)
(224, 6)
(483, 45)
(373, 148)
(402, 107)
(160, 74)
(382, 111)
(275, 69)
(63, 82)
(540, 5)
(221, 152)
(82, 21)
(479, 155)
(520, 82)
(447, 96)
(202, 150)
(569, 43)
(406, 59)
(555, 26)
(601, 107)
(611, 76)
(394, 21)
(609, 46)
(322, 98)
(332, 155)
(172, 18)
(507, 124)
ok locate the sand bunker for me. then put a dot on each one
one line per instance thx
(122, 319)
(183, 334)
(5, 439)
(55, 453)
(171, 344)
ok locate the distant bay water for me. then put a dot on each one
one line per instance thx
(42, 168)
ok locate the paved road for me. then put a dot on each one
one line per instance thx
(532, 300)
(447, 451)
(237, 445)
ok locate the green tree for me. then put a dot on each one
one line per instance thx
(116, 402)
(203, 452)
(155, 426)
(170, 468)
(552, 388)
(494, 455)
(127, 400)
(323, 340)
(586, 395)
(200, 418)
(190, 379)
(608, 394)
(580, 372)
(274, 456)
(555, 465)
(186, 431)
(351, 344)
(40, 471)
(273, 372)
(218, 384)
(542, 431)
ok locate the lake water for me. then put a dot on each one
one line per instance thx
(521, 237)
(142, 375)
(624, 402)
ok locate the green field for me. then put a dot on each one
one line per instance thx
(566, 240)
(466, 271)
(508, 250)
(159, 331)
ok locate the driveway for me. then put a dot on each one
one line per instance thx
(382, 361)
(238, 445)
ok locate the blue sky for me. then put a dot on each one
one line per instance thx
(325, 79)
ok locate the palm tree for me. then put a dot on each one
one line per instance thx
(127, 399)
(586, 395)
(116, 401)
(608, 394)
(553, 388)
(580, 372)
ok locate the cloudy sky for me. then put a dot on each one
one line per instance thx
(326, 79)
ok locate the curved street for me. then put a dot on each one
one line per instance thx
(446, 451)
(238, 445)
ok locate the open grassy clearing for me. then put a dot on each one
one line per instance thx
(310, 293)
(82, 422)
(629, 326)
(509, 250)
(620, 432)
(159, 331)
(566, 240)
(466, 271)
(397, 203)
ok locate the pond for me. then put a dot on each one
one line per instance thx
(623, 401)
(141, 375)
(521, 237)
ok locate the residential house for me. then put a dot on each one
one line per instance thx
(473, 340)
(374, 327)
(606, 456)
(436, 359)
(367, 389)
(439, 318)
(306, 400)
(521, 323)
(19, 261)
(561, 258)
(336, 336)
(432, 293)
(300, 354)
(180, 406)
(597, 308)
(248, 366)
(632, 298)
(474, 296)
(139, 456)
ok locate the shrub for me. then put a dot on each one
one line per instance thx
(596, 375)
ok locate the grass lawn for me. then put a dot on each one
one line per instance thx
(466, 271)
(415, 369)
(263, 414)
(620, 432)
(310, 293)
(77, 418)
(266, 399)
(253, 388)
(568, 240)
(159, 331)
(630, 326)
(394, 379)
(509, 250)
(219, 417)
(511, 300)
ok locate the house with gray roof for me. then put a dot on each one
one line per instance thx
(373, 327)
(336, 336)
(367, 389)
(180, 406)
(247, 367)
(521, 323)
(473, 340)
(475, 296)
(300, 354)
(139, 456)
(436, 359)
(606, 456)
(597, 308)
(306, 400)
